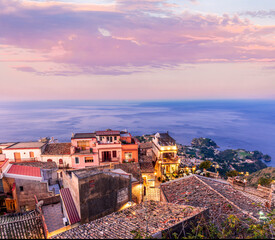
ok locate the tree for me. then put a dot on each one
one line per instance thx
(203, 142)
(205, 165)
(232, 173)
(265, 181)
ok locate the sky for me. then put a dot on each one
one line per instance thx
(137, 49)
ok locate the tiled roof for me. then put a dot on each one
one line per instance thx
(23, 145)
(58, 149)
(146, 167)
(83, 135)
(155, 216)
(145, 145)
(166, 140)
(21, 226)
(221, 198)
(25, 170)
(42, 165)
(69, 205)
(107, 133)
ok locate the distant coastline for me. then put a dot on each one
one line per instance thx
(233, 124)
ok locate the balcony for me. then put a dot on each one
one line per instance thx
(83, 151)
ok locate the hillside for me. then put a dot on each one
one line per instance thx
(268, 173)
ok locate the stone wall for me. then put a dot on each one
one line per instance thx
(30, 188)
(102, 194)
(132, 168)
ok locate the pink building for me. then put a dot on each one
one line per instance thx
(103, 147)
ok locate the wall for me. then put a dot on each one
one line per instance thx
(67, 160)
(31, 188)
(133, 148)
(102, 194)
(25, 153)
(71, 181)
(82, 163)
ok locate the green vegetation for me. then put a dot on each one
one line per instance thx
(205, 165)
(232, 173)
(203, 142)
(265, 181)
(267, 173)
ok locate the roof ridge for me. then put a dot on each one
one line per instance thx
(243, 211)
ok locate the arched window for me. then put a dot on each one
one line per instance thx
(49, 160)
(60, 161)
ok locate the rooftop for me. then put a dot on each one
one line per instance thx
(166, 140)
(42, 165)
(145, 145)
(21, 226)
(221, 198)
(146, 167)
(83, 135)
(158, 216)
(107, 133)
(69, 205)
(58, 149)
(25, 171)
(23, 145)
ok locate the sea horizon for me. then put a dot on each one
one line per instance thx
(231, 123)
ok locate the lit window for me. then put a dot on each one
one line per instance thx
(89, 159)
(128, 155)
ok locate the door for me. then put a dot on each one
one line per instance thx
(17, 157)
(31, 154)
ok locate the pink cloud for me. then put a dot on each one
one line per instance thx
(118, 41)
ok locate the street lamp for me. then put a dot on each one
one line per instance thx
(193, 169)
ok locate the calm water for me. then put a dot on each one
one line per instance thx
(232, 124)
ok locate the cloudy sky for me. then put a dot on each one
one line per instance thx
(137, 49)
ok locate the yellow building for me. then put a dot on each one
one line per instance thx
(165, 150)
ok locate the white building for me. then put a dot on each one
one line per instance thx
(24, 151)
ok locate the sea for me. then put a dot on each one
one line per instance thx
(232, 124)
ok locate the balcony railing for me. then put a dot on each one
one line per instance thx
(83, 151)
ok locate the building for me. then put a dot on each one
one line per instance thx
(28, 225)
(103, 147)
(165, 150)
(218, 196)
(149, 219)
(24, 151)
(60, 153)
(21, 181)
(97, 192)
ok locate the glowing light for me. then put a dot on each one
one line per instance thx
(162, 148)
(168, 148)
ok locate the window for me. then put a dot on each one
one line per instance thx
(108, 139)
(49, 160)
(115, 138)
(1, 151)
(114, 154)
(111, 139)
(83, 144)
(100, 138)
(89, 159)
(76, 160)
(60, 161)
(128, 155)
(31, 154)
(21, 188)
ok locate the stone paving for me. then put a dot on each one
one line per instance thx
(53, 216)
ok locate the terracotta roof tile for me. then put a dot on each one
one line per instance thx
(25, 170)
(69, 205)
(58, 149)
